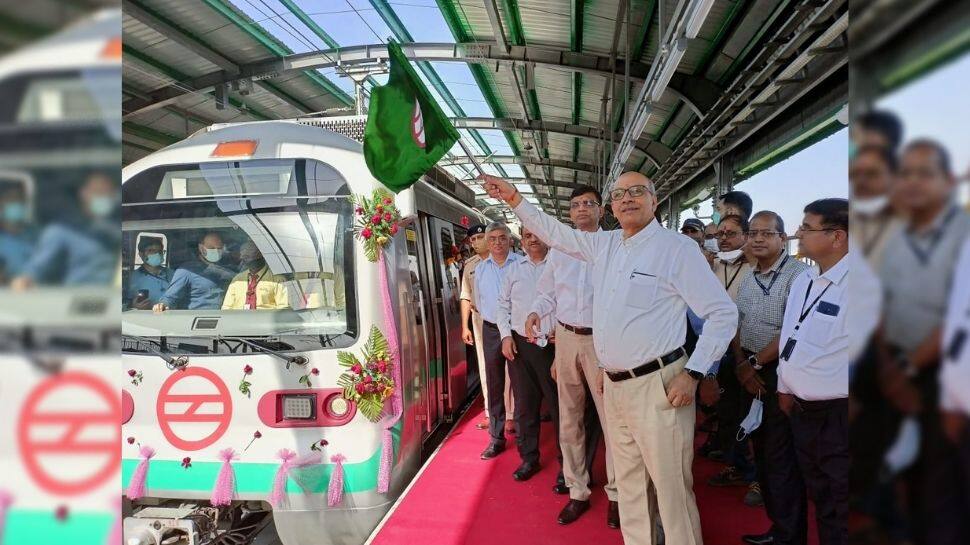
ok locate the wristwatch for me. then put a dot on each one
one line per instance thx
(696, 375)
(753, 360)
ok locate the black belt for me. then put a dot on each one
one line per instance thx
(577, 330)
(489, 324)
(821, 404)
(649, 367)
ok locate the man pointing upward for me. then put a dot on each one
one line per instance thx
(644, 279)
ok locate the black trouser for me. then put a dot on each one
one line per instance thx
(495, 376)
(531, 378)
(732, 407)
(781, 481)
(821, 433)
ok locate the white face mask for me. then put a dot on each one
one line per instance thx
(870, 206)
(213, 255)
(905, 448)
(753, 420)
(730, 256)
(710, 244)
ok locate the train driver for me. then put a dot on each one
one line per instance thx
(151, 280)
(255, 288)
(200, 283)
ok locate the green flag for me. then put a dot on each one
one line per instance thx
(407, 133)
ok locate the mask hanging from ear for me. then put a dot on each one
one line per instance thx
(753, 420)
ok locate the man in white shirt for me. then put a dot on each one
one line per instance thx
(566, 291)
(813, 368)
(644, 279)
(530, 362)
(489, 275)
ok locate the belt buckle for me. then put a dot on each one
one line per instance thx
(631, 373)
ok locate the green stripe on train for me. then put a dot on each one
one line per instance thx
(258, 477)
(41, 527)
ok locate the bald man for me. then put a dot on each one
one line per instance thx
(644, 279)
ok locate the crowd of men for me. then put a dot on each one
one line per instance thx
(641, 325)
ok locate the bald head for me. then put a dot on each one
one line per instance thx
(633, 201)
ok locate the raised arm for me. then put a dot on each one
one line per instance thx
(556, 234)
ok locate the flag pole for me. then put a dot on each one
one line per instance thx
(471, 156)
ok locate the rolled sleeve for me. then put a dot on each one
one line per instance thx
(556, 234)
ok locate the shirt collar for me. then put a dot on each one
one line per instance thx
(939, 222)
(838, 271)
(644, 235)
(510, 259)
(776, 265)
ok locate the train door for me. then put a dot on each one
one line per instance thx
(452, 373)
(422, 322)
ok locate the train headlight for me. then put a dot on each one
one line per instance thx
(299, 407)
(336, 406)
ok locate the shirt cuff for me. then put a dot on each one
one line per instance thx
(504, 330)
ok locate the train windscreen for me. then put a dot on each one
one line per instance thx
(259, 250)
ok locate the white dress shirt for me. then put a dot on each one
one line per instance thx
(515, 299)
(955, 375)
(642, 287)
(818, 367)
(566, 290)
(488, 284)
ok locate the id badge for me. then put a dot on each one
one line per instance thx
(789, 348)
(957, 344)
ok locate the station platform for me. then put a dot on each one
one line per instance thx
(459, 499)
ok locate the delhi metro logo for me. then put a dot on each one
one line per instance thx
(417, 125)
(68, 433)
(194, 408)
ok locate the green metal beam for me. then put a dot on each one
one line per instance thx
(176, 75)
(576, 45)
(277, 48)
(149, 133)
(18, 31)
(949, 50)
(639, 44)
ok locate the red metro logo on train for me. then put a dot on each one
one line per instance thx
(194, 408)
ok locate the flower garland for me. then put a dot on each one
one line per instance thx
(368, 383)
(377, 221)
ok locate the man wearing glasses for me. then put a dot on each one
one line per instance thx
(566, 290)
(644, 279)
(762, 298)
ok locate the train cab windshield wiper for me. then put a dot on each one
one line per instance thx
(171, 360)
(298, 360)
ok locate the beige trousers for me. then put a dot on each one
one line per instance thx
(653, 447)
(576, 365)
(480, 352)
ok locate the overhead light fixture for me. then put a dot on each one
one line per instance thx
(697, 18)
(670, 66)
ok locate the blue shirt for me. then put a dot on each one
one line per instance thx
(156, 285)
(198, 285)
(76, 254)
(488, 285)
(15, 251)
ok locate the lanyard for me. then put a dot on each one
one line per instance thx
(869, 243)
(924, 255)
(806, 311)
(774, 278)
(728, 283)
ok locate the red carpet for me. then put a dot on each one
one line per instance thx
(462, 500)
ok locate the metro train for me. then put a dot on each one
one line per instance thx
(284, 186)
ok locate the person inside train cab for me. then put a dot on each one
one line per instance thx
(489, 275)
(152, 278)
(255, 287)
(17, 236)
(201, 282)
(529, 353)
(644, 278)
(566, 292)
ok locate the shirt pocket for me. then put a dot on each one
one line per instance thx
(643, 290)
(821, 329)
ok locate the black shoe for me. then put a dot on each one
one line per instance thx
(560, 487)
(492, 451)
(526, 471)
(613, 515)
(573, 510)
(759, 539)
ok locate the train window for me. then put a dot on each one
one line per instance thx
(270, 259)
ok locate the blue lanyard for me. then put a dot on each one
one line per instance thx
(774, 278)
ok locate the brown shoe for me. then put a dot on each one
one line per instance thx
(613, 515)
(483, 425)
(572, 511)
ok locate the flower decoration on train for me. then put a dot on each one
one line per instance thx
(244, 385)
(256, 436)
(136, 376)
(378, 220)
(318, 445)
(368, 382)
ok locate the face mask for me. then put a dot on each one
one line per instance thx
(101, 206)
(154, 260)
(852, 150)
(753, 420)
(710, 244)
(213, 255)
(905, 448)
(870, 206)
(730, 256)
(716, 217)
(15, 212)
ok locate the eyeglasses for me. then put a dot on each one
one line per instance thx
(730, 234)
(583, 204)
(635, 191)
(762, 233)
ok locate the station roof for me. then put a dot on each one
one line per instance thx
(23, 22)
(545, 92)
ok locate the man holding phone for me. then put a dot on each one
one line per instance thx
(150, 280)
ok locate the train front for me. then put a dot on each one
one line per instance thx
(239, 290)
